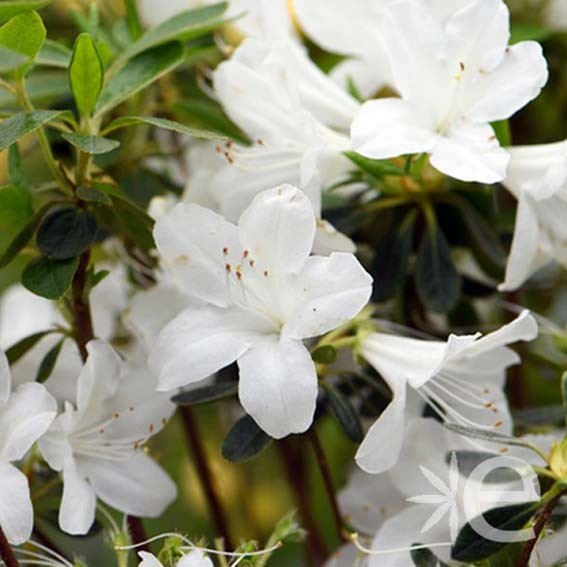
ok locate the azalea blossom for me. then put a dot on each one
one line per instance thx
(261, 294)
(461, 378)
(537, 177)
(194, 558)
(453, 79)
(97, 442)
(25, 415)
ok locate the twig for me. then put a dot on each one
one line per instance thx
(83, 324)
(6, 552)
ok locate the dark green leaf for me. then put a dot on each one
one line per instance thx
(471, 546)
(126, 121)
(345, 413)
(437, 280)
(24, 34)
(54, 54)
(425, 557)
(469, 460)
(15, 352)
(66, 233)
(137, 74)
(185, 26)
(206, 394)
(540, 416)
(94, 145)
(48, 363)
(391, 261)
(244, 441)
(17, 126)
(325, 354)
(49, 278)
(10, 8)
(376, 167)
(86, 74)
(22, 238)
(93, 195)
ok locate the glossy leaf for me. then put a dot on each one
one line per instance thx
(49, 278)
(137, 74)
(22, 347)
(206, 394)
(437, 280)
(86, 74)
(345, 413)
(125, 121)
(93, 195)
(66, 233)
(48, 363)
(17, 126)
(244, 441)
(94, 145)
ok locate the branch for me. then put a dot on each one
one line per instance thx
(6, 551)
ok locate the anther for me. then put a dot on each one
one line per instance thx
(227, 268)
(498, 424)
(462, 65)
(266, 273)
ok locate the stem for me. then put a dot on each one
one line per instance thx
(205, 474)
(83, 327)
(316, 546)
(138, 533)
(327, 481)
(83, 165)
(6, 552)
(543, 518)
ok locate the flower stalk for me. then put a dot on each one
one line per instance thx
(6, 551)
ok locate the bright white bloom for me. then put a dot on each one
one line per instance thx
(461, 378)
(97, 443)
(193, 559)
(25, 415)
(263, 293)
(454, 79)
(537, 177)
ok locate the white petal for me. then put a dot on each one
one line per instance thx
(195, 559)
(391, 127)
(470, 152)
(327, 293)
(148, 560)
(369, 73)
(200, 341)
(5, 379)
(523, 258)
(278, 228)
(328, 239)
(278, 386)
(25, 418)
(517, 81)
(191, 241)
(78, 504)
(137, 486)
(347, 556)
(16, 512)
(382, 445)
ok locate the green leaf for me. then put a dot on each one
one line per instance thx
(392, 256)
(22, 347)
(345, 414)
(133, 19)
(23, 237)
(425, 558)
(325, 354)
(471, 546)
(469, 460)
(93, 195)
(137, 74)
(126, 121)
(49, 278)
(44, 88)
(10, 60)
(437, 280)
(17, 126)
(85, 74)
(502, 132)
(15, 167)
(244, 441)
(24, 34)
(522, 31)
(54, 54)
(206, 394)
(66, 233)
(186, 26)
(48, 363)
(8, 8)
(15, 207)
(564, 393)
(94, 145)
(540, 416)
(376, 167)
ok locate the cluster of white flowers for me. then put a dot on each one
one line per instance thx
(250, 273)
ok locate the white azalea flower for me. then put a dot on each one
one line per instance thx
(262, 295)
(454, 79)
(537, 177)
(461, 378)
(25, 415)
(194, 558)
(97, 443)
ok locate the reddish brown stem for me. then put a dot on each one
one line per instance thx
(6, 552)
(205, 474)
(83, 323)
(138, 533)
